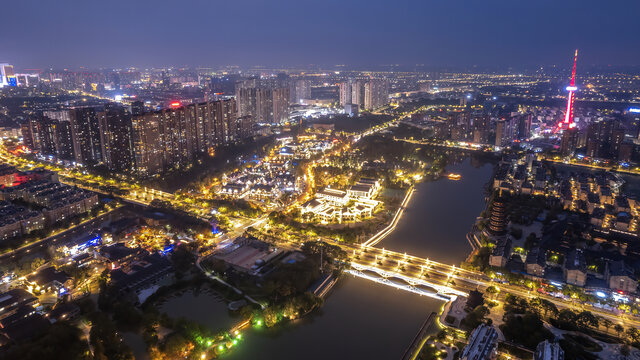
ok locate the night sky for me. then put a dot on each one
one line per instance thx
(93, 33)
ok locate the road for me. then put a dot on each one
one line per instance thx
(58, 238)
(464, 280)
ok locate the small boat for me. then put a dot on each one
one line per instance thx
(453, 176)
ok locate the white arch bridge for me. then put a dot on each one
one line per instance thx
(412, 284)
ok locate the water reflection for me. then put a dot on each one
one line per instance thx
(360, 320)
(441, 213)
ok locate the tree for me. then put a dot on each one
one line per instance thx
(61, 341)
(177, 346)
(527, 330)
(492, 290)
(625, 350)
(618, 328)
(632, 334)
(270, 317)
(36, 263)
(543, 306)
(606, 323)
(475, 317)
(586, 319)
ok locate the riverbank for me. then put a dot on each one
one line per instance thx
(437, 220)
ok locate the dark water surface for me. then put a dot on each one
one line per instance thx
(441, 213)
(360, 319)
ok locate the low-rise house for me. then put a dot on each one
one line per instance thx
(575, 268)
(25, 329)
(593, 201)
(234, 189)
(500, 254)
(50, 279)
(547, 350)
(536, 262)
(622, 204)
(263, 192)
(623, 220)
(142, 278)
(621, 277)
(120, 255)
(63, 311)
(13, 300)
(597, 217)
(365, 188)
(482, 344)
(333, 196)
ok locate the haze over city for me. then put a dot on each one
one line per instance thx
(298, 33)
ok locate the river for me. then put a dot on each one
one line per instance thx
(441, 213)
(362, 319)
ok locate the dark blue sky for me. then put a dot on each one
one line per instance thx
(41, 33)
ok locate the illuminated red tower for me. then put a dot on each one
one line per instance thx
(568, 116)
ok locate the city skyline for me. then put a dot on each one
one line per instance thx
(191, 180)
(356, 33)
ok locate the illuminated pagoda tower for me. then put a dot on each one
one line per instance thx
(498, 219)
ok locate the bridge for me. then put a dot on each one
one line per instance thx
(415, 285)
(412, 273)
(446, 282)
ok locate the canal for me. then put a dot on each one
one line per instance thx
(441, 213)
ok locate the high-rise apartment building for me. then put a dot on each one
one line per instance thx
(171, 138)
(263, 104)
(570, 141)
(604, 139)
(376, 94)
(506, 131)
(115, 131)
(367, 94)
(300, 89)
(145, 142)
(85, 132)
